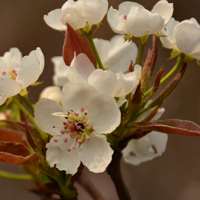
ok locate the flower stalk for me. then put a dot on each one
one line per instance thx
(15, 177)
(89, 37)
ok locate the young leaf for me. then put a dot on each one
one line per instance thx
(76, 43)
(15, 153)
(171, 126)
(10, 135)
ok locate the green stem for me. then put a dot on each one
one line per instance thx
(26, 112)
(27, 102)
(141, 52)
(178, 65)
(12, 176)
(90, 40)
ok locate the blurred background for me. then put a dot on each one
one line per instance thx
(175, 175)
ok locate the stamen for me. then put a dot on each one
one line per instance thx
(3, 73)
(84, 122)
(75, 133)
(79, 141)
(78, 127)
(90, 127)
(64, 123)
(76, 114)
(80, 133)
(72, 127)
(125, 17)
(65, 140)
(70, 121)
(85, 113)
(74, 147)
(53, 126)
(87, 138)
(66, 127)
(68, 149)
(55, 140)
(62, 131)
(72, 136)
(82, 109)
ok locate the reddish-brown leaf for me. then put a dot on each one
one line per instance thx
(154, 53)
(169, 89)
(171, 126)
(146, 73)
(28, 135)
(15, 153)
(75, 42)
(10, 135)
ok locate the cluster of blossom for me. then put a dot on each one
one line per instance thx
(91, 101)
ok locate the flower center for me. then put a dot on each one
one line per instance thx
(77, 128)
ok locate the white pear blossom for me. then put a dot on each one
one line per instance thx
(116, 54)
(17, 73)
(183, 36)
(77, 128)
(116, 85)
(51, 92)
(77, 14)
(148, 147)
(132, 18)
(82, 70)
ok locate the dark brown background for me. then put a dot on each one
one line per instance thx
(175, 175)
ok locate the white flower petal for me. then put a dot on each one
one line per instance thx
(96, 154)
(125, 7)
(53, 20)
(74, 17)
(156, 23)
(116, 21)
(187, 36)
(119, 53)
(146, 148)
(164, 9)
(31, 68)
(169, 41)
(2, 100)
(60, 71)
(9, 87)
(14, 53)
(104, 81)
(52, 92)
(94, 10)
(58, 155)
(103, 113)
(45, 120)
(68, 4)
(74, 76)
(141, 22)
(83, 65)
(138, 22)
(75, 95)
(128, 82)
(103, 47)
